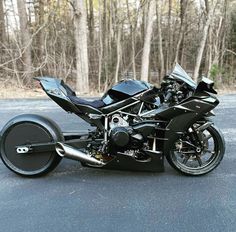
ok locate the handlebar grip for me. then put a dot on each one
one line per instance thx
(168, 96)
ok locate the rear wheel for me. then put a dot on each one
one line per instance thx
(198, 152)
(23, 134)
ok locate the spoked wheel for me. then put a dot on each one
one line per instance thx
(198, 152)
(22, 134)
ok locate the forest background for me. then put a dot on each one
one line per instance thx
(91, 44)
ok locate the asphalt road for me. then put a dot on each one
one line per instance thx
(73, 198)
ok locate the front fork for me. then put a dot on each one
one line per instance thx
(196, 133)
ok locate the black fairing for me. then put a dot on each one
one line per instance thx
(206, 85)
(58, 92)
(123, 90)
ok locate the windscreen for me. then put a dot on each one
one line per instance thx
(180, 74)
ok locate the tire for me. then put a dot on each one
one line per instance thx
(29, 129)
(217, 155)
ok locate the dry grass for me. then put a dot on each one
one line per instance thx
(12, 92)
(227, 89)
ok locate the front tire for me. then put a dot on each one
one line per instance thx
(201, 159)
(26, 130)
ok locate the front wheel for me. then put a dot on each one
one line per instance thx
(197, 152)
(23, 131)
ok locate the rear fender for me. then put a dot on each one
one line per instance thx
(47, 123)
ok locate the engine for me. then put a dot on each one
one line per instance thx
(121, 133)
(118, 121)
(120, 136)
(124, 135)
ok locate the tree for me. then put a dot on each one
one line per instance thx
(118, 46)
(147, 41)
(168, 45)
(25, 39)
(132, 32)
(183, 10)
(100, 53)
(80, 25)
(2, 24)
(39, 14)
(91, 22)
(160, 49)
(210, 13)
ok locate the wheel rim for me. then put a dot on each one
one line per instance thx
(190, 159)
(25, 134)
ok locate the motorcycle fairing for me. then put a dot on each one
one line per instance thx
(180, 117)
(117, 105)
(206, 85)
(123, 90)
(124, 162)
(55, 90)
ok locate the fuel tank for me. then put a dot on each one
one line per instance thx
(123, 90)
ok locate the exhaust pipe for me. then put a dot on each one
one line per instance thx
(69, 152)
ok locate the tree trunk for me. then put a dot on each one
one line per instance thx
(168, 44)
(2, 25)
(91, 22)
(144, 18)
(25, 39)
(100, 55)
(147, 41)
(118, 39)
(208, 61)
(183, 10)
(105, 41)
(80, 24)
(41, 33)
(217, 43)
(118, 50)
(210, 15)
(160, 48)
(132, 32)
(224, 33)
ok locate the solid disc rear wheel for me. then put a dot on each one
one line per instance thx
(27, 164)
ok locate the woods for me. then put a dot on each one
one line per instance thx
(94, 43)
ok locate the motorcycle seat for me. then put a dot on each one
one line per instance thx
(80, 101)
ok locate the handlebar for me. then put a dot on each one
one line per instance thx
(168, 96)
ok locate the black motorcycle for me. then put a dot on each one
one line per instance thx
(136, 126)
